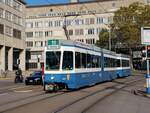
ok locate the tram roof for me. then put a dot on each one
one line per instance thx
(87, 46)
(79, 44)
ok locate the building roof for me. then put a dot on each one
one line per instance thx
(61, 4)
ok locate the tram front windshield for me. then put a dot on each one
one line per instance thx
(53, 60)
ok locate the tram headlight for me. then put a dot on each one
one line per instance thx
(52, 78)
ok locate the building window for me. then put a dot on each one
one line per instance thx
(98, 30)
(70, 32)
(79, 22)
(48, 33)
(38, 24)
(8, 2)
(90, 41)
(99, 20)
(38, 34)
(50, 23)
(57, 23)
(8, 31)
(8, 15)
(29, 34)
(67, 22)
(38, 44)
(16, 19)
(46, 23)
(110, 19)
(79, 32)
(17, 33)
(91, 31)
(29, 24)
(89, 21)
(92, 20)
(29, 44)
(17, 5)
(32, 65)
(113, 5)
(1, 29)
(1, 13)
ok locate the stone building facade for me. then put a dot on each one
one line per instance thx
(83, 22)
(12, 34)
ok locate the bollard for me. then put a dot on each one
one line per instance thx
(148, 83)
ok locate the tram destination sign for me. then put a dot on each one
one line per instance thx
(53, 44)
(145, 35)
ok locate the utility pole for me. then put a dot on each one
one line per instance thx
(65, 26)
(110, 39)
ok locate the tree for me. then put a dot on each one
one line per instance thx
(103, 39)
(128, 22)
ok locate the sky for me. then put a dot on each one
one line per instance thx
(40, 2)
(36, 2)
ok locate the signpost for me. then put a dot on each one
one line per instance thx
(145, 40)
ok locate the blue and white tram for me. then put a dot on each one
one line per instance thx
(70, 64)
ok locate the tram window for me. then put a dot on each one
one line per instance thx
(89, 61)
(67, 60)
(125, 63)
(109, 62)
(118, 63)
(105, 62)
(83, 60)
(98, 62)
(53, 60)
(77, 60)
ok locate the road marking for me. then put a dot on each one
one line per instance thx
(18, 87)
(23, 91)
(2, 94)
(5, 78)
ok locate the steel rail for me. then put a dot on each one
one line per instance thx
(94, 93)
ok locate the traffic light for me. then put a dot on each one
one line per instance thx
(148, 51)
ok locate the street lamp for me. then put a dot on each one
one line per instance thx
(109, 39)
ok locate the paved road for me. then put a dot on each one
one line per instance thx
(23, 99)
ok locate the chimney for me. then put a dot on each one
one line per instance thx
(74, 1)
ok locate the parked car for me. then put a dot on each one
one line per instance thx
(34, 78)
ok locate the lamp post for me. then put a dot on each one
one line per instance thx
(109, 38)
(38, 61)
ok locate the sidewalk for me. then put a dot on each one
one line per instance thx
(11, 74)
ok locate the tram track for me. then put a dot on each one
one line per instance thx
(43, 96)
(17, 104)
(132, 83)
(113, 91)
(14, 88)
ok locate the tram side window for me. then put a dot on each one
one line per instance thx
(67, 60)
(83, 60)
(95, 61)
(77, 60)
(118, 63)
(98, 61)
(109, 62)
(125, 63)
(89, 61)
(106, 63)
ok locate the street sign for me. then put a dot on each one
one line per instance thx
(145, 35)
(145, 39)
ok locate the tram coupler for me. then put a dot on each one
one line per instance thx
(51, 87)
